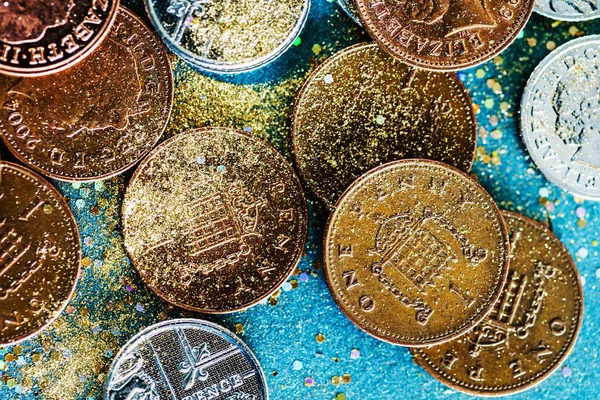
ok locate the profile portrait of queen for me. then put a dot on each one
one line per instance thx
(23, 21)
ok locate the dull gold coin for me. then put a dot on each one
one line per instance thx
(362, 108)
(532, 327)
(40, 253)
(416, 252)
(214, 220)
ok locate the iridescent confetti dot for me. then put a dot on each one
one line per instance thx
(221, 168)
(200, 160)
(328, 79)
(580, 212)
(566, 372)
(129, 288)
(308, 381)
(543, 192)
(598, 273)
(297, 365)
(298, 41)
(248, 129)
(582, 280)
(582, 252)
(550, 206)
(76, 185)
(354, 354)
(80, 203)
(380, 120)
(303, 277)
(286, 287)
(99, 185)
(139, 307)
(87, 241)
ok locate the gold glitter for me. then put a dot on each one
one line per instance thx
(48, 209)
(294, 284)
(531, 42)
(17, 350)
(346, 378)
(336, 380)
(243, 31)
(35, 357)
(496, 134)
(86, 262)
(320, 338)
(573, 31)
(581, 223)
(239, 328)
(9, 357)
(317, 49)
(550, 45)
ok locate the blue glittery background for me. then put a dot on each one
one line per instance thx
(112, 304)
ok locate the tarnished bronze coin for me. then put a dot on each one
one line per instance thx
(98, 118)
(214, 220)
(416, 252)
(362, 108)
(40, 37)
(40, 253)
(532, 327)
(444, 35)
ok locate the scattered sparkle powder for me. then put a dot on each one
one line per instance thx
(297, 365)
(308, 381)
(354, 354)
(320, 338)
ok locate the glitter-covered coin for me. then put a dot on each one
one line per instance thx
(349, 7)
(416, 252)
(568, 10)
(214, 220)
(228, 36)
(532, 327)
(560, 117)
(40, 37)
(39, 253)
(362, 108)
(185, 359)
(444, 35)
(98, 118)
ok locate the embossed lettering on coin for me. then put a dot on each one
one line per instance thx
(362, 108)
(416, 252)
(530, 330)
(225, 35)
(39, 37)
(95, 119)
(444, 35)
(185, 359)
(560, 117)
(214, 220)
(568, 10)
(39, 253)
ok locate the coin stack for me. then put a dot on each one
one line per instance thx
(416, 253)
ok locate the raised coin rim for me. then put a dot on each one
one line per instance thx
(561, 17)
(494, 208)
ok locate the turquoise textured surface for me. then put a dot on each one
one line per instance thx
(283, 336)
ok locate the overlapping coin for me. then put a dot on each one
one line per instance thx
(568, 10)
(560, 117)
(40, 253)
(349, 7)
(416, 252)
(227, 36)
(532, 327)
(185, 359)
(40, 37)
(362, 108)
(214, 220)
(444, 35)
(98, 118)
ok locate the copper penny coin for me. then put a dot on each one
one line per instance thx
(362, 108)
(444, 35)
(98, 118)
(40, 253)
(214, 220)
(416, 252)
(532, 327)
(40, 37)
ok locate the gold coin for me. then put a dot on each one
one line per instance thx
(214, 220)
(98, 118)
(416, 252)
(40, 253)
(532, 327)
(362, 108)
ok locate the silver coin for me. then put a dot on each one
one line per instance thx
(568, 10)
(185, 359)
(228, 36)
(349, 7)
(560, 117)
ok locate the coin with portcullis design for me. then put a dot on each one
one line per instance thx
(416, 252)
(444, 35)
(560, 117)
(185, 359)
(98, 118)
(362, 108)
(228, 36)
(40, 253)
(214, 220)
(532, 327)
(40, 37)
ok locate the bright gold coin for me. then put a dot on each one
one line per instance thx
(416, 252)
(532, 327)
(214, 220)
(362, 108)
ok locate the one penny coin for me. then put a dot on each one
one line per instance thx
(444, 35)
(40, 37)
(362, 108)
(214, 220)
(98, 118)
(416, 252)
(40, 253)
(532, 327)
